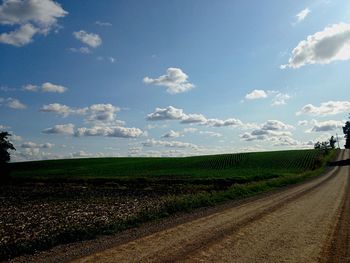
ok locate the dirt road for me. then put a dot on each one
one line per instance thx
(306, 223)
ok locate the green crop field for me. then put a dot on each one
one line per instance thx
(243, 165)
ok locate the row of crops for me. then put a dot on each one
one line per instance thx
(301, 160)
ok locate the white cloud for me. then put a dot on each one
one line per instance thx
(303, 14)
(172, 134)
(13, 103)
(33, 145)
(102, 112)
(91, 39)
(172, 144)
(45, 87)
(31, 16)
(111, 59)
(82, 50)
(275, 125)
(124, 132)
(280, 99)
(102, 117)
(326, 108)
(19, 37)
(324, 126)
(323, 47)
(193, 118)
(57, 108)
(116, 131)
(30, 87)
(49, 87)
(100, 23)
(175, 81)
(96, 112)
(269, 130)
(223, 123)
(169, 113)
(256, 94)
(67, 129)
(172, 113)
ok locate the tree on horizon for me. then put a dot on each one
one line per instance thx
(346, 131)
(5, 157)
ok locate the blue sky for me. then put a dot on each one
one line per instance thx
(171, 78)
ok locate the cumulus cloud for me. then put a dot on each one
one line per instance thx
(57, 108)
(102, 117)
(172, 134)
(117, 131)
(324, 126)
(326, 108)
(45, 87)
(90, 39)
(256, 94)
(124, 132)
(172, 144)
(268, 130)
(95, 113)
(31, 16)
(19, 37)
(303, 14)
(49, 87)
(102, 112)
(193, 118)
(175, 81)
(15, 104)
(168, 113)
(30, 87)
(34, 145)
(323, 47)
(67, 129)
(223, 123)
(172, 113)
(280, 99)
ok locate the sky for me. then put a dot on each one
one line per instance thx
(172, 78)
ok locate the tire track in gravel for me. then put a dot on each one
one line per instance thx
(338, 249)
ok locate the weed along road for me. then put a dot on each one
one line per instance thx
(305, 223)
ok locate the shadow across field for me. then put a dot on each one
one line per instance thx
(340, 163)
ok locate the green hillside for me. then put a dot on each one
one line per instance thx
(243, 165)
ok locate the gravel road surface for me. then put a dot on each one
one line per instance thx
(306, 223)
